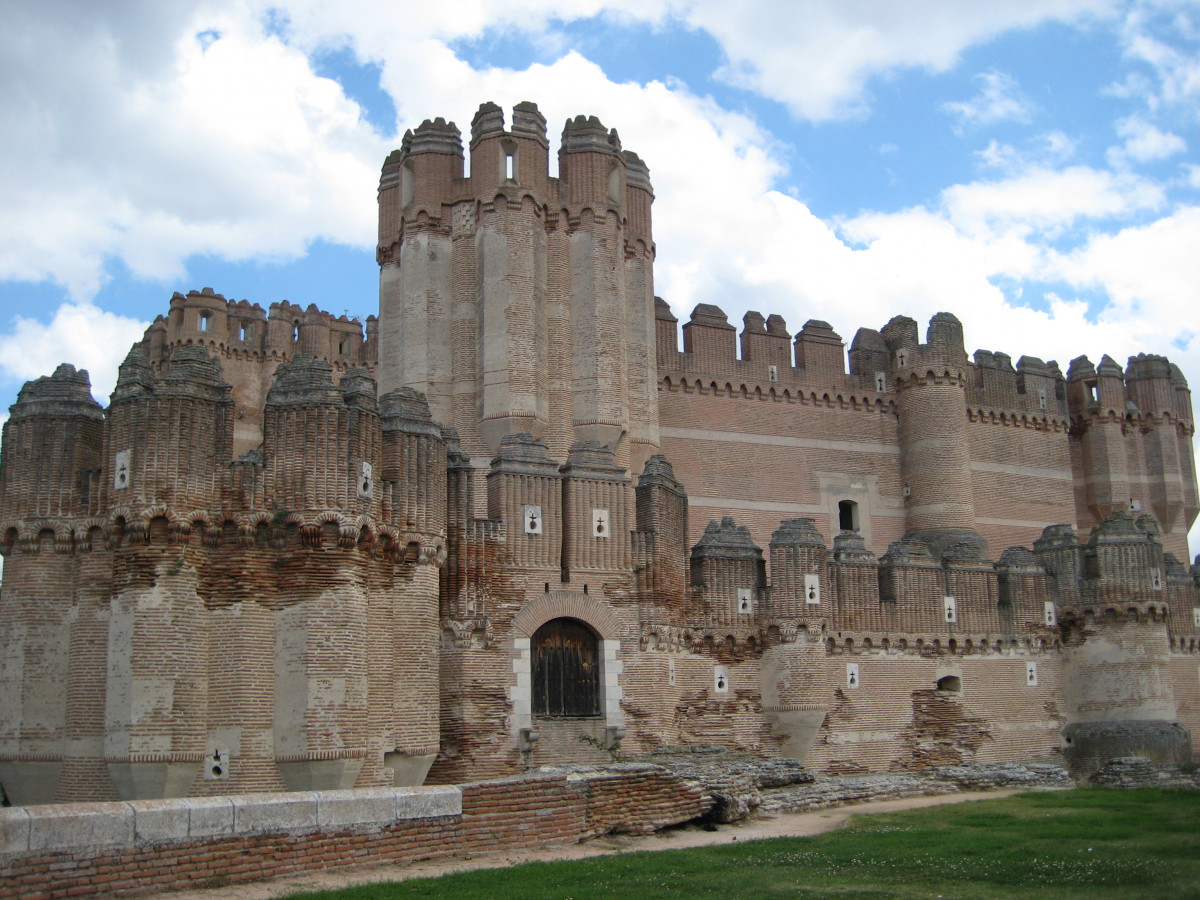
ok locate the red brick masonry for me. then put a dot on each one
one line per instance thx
(69, 850)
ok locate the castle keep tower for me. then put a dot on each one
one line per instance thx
(515, 301)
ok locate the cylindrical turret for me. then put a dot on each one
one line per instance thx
(935, 456)
(52, 440)
(592, 173)
(798, 557)
(416, 188)
(729, 570)
(1096, 399)
(509, 177)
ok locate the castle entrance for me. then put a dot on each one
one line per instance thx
(566, 670)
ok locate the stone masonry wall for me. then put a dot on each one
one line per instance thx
(89, 848)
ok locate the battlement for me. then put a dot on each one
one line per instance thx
(955, 595)
(426, 173)
(238, 327)
(1150, 387)
(765, 352)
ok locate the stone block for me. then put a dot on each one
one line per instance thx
(14, 830)
(80, 825)
(209, 816)
(427, 802)
(269, 813)
(360, 807)
(160, 820)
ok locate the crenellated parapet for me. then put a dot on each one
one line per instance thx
(1133, 429)
(250, 342)
(509, 280)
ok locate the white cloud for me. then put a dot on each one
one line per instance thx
(1175, 66)
(1048, 200)
(998, 100)
(1143, 142)
(817, 56)
(135, 139)
(81, 334)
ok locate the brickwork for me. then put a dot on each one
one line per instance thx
(299, 552)
(125, 847)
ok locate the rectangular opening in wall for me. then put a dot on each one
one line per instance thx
(847, 515)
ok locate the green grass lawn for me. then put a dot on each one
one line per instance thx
(1092, 843)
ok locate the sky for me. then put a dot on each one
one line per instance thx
(1030, 165)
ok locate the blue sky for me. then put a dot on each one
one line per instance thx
(1031, 166)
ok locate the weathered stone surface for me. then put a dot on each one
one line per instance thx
(80, 825)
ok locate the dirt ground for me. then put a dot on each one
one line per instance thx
(783, 825)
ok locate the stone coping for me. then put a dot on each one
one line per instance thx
(79, 826)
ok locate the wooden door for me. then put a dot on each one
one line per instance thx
(566, 670)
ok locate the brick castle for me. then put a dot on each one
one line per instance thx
(511, 522)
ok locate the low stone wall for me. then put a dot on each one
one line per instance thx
(87, 848)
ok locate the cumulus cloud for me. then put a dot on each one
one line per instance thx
(1143, 142)
(999, 99)
(79, 333)
(149, 139)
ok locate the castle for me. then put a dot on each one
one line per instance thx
(511, 522)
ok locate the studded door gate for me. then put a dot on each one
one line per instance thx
(566, 670)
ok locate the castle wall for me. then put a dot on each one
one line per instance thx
(808, 453)
(259, 569)
(897, 719)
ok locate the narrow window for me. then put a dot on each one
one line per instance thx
(406, 183)
(243, 332)
(205, 321)
(295, 333)
(509, 167)
(772, 374)
(614, 184)
(847, 515)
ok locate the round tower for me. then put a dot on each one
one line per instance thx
(1117, 657)
(935, 456)
(51, 450)
(509, 179)
(416, 189)
(592, 173)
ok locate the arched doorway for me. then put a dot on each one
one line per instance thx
(566, 670)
